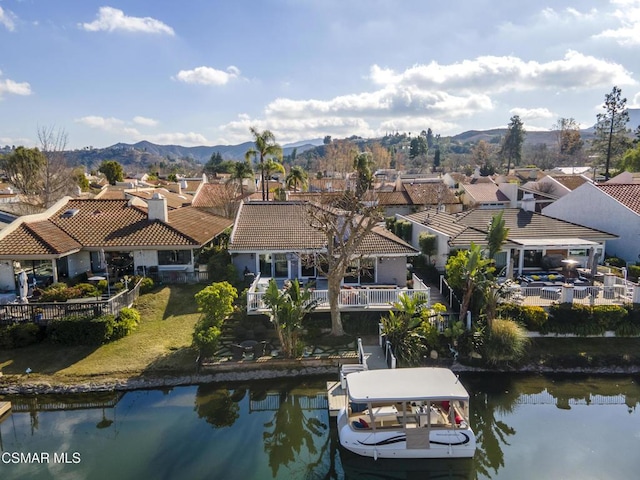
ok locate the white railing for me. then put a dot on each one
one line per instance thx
(382, 298)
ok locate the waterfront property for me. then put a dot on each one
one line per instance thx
(107, 238)
(277, 240)
(534, 241)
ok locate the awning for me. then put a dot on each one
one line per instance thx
(555, 242)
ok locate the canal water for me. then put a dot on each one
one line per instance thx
(528, 427)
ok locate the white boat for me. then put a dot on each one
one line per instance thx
(406, 413)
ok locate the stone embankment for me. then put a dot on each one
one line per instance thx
(25, 385)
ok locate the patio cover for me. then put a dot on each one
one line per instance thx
(554, 242)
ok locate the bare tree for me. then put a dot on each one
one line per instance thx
(55, 173)
(345, 224)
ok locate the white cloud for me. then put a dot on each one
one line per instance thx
(628, 33)
(434, 95)
(533, 113)
(122, 128)
(8, 86)
(147, 122)
(208, 75)
(497, 74)
(111, 19)
(635, 101)
(6, 19)
(102, 123)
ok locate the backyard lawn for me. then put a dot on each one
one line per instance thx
(160, 343)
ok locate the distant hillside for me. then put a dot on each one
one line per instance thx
(146, 153)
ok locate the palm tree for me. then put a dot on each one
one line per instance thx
(239, 172)
(296, 176)
(268, 167)
(265, 146)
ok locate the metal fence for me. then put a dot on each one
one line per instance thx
(43, 313)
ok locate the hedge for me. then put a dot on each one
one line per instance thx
(585, 320)
(20, 335)
(531, 317)
(82, 330)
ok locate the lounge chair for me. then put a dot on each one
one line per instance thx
(260, 349)
(237, 352)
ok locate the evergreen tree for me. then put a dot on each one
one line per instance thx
(611, 136)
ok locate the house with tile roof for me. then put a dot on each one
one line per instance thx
(612, 207)
(136, 236)
(533, 238)
(485, 195)
(277, 240)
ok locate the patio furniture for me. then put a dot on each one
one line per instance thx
(260, 349)
(550, 293)
(237, 352)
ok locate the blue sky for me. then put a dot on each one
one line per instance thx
(201, 72)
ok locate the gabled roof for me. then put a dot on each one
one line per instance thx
(213, 195)
(472, 226)
(285, 226)
(393, 198)
(109, 224)
(433, 193)
(485, 193)
(627, 194)
(174, 200)
(570, 181)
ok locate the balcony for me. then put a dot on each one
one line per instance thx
(354, 298)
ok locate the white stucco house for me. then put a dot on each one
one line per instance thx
(613, 208)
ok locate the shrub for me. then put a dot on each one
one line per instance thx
(146, 285)
(634, 272)
(506, 342)
(20, 335)
(81, 330)
(585, 320)
(87, 290)
(58, 292)
(127, 321)
(532, 318)
(615, 262)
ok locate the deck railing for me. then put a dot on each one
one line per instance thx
(380, 298)
(43, 313)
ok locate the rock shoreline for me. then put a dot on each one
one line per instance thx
(22, 386)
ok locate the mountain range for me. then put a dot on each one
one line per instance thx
(145, 153)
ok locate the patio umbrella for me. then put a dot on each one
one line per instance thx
(23, 286)
(102, 261)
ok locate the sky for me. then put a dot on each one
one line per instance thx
(202, 72)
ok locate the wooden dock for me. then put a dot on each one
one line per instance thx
(5, 408)
(336, 397)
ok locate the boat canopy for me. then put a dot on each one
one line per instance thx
(405, 384)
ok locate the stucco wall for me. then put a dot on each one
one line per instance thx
(392, 271)
(242, 260)
(442, 249)
(589, 206)
(145, 258)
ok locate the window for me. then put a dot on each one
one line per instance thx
(367, 270)
(174, 257)
(274, 265)
(265, 264)
(307, 266)
(280, 265)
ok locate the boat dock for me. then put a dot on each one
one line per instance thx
(372, 356)
(5, 408)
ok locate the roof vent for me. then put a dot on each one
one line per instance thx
(70, 213)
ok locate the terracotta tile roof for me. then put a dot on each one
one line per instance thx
(432, 193)
(197, 223)
(38, 238)
(285, 226)
(174, 200)
(327, 184)
(471, 226)
(394, 198)
(213, 195)
(110, 224)
(485, 193)
(627, 194)
(111, 194)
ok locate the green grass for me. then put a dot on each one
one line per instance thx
(160, 343)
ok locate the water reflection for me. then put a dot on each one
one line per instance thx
(258, 431)
(216, 405)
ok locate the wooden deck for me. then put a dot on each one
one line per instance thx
(5, 408)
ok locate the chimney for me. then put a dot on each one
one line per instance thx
(528, 203)
(157, 208)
